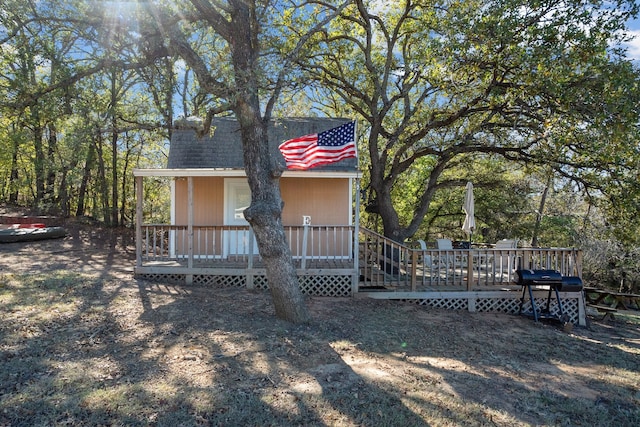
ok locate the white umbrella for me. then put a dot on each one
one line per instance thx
(469, 220)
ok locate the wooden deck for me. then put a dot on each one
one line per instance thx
(378, 264)
(328, 265)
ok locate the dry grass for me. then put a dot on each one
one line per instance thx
(100, 348)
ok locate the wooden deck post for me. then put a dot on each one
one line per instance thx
(249, 275)
(189, 277)
(139, 196)
(470, 270)
(414, 269)
(355, 243)
(305, 237)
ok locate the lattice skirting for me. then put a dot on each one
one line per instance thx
(173, 279)
(503, 305)
(340, 286)
(315, 285)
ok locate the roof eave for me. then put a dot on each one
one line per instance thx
(230, 173)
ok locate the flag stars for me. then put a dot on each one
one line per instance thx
(337, 136)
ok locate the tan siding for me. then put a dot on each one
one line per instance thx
(208, 201)
(326, 200)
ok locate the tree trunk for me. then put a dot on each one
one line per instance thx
(123, 184)
(540, 213)
(50, 169)
(14, 175)
(390, 219)
(265, 212)
(382, 183)
(265, 216)
(114, 150)
(114, 178)
(86, 175)
(384, 204)
(38, 163)
(102, 180)
(63, 194)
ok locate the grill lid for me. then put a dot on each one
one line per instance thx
(538, 277)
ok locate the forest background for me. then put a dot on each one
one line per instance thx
(536, 103)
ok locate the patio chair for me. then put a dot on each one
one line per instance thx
(444, 244)
(426, 261)
(504, 263)
(429, 265)
(448, 258)
(506, 244)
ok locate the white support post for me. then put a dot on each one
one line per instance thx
(249, 276)
(139, 219)
(356, 243)
(189, 277)
(306, 222)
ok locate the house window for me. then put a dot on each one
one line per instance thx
(237, 199)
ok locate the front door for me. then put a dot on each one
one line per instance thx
(237, 197)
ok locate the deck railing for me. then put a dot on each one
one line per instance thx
(382, 263)
(163, 242)
(387, 264)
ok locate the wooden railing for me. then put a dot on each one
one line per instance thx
(383, 263)
(387, 264)
(163, 242)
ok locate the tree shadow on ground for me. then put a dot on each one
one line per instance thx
(94, 350)
(287, 374)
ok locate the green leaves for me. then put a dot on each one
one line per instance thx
(447, 81)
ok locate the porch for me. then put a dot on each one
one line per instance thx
(329, 264)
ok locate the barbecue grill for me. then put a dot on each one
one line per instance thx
(546, 279)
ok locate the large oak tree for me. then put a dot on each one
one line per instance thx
(244, 67)
(242, 59)
(441, 84)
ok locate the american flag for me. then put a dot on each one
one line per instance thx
(322, 148)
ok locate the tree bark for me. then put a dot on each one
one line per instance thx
(86, 176)
(49, 197)
(38, 161)
(265, 216)
(102, 179)
(265, 212)
(14, 185)
(114, 150)
(540, 212)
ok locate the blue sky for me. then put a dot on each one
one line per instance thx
(634, 46)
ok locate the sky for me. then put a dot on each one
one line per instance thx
(634, 46)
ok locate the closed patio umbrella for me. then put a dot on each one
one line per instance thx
(469, 220)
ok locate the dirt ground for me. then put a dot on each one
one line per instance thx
(84, 343)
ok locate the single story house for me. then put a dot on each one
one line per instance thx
(208, 242)
(209, 192)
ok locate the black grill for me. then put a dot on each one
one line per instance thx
(571, 284)
(538, 277)
(552, 280)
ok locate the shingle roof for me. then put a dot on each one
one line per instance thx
(223, 149)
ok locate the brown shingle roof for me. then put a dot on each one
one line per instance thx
(223, 149)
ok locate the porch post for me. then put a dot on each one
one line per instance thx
(356, 243)
(189, 277)
(249, 276)
(305, 237)
(139, 195)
